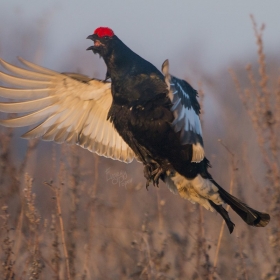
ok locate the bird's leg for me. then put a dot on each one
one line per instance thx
(152, 172)
(156, 175)
(147, 174)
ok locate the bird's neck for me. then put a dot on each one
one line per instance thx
(122, 61)
(119, 60)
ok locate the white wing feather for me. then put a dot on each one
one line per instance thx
(186, 120)
(67, 108)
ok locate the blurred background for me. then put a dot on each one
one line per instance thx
(68, 214)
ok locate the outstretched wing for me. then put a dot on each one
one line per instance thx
(186, 111)
(66, 107)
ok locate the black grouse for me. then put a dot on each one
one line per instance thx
(141, 113)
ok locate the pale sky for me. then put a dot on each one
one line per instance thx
(210, 33)
(199, 38)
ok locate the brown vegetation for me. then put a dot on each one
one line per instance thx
(68, 214)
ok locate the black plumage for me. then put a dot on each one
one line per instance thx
(141, 113)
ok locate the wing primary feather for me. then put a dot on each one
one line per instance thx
(72, 137)
(29, 119)
(36, 132)
(27, 106)
(24, 73)
(36, 67)
(22, 82)
(17, 93)
(61, 135)
(42, 128)
(50, 133)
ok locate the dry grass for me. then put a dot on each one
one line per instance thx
(65, 215)
(261, 101)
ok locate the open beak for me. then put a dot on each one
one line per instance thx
(90, 48)
(94, 38)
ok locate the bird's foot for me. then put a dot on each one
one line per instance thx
(147, 172)
(156, 175)
(152, 174)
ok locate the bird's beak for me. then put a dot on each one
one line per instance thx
(92, 37)
(90, 48)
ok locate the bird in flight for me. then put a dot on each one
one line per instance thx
(136, 112)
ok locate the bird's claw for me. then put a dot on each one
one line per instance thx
(152, 173)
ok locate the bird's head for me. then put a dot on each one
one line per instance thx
(102, 38)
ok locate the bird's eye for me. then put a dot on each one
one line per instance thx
(106, 37)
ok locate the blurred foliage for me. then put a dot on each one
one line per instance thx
(68, 214)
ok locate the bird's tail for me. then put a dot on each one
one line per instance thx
(249, 215)
(223, 212)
